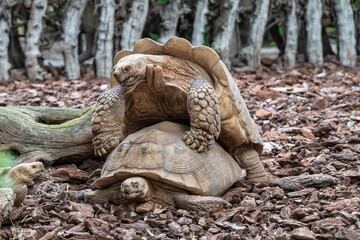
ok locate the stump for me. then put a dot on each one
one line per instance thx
(50, 135)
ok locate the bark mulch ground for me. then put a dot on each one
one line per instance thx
(309, 118)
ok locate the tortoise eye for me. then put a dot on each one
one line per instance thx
(126, 69)
(33, 166)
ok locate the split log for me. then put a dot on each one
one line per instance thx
(5, 22)
(346, 26)
(71, 29)
(252, 52)
(313, 28)
(169, 20)
(51, 135)
(134, 26)
(104, 48)
(299, 182)
(34, 29)
(292, 31)
(222, 39)
(202, 8)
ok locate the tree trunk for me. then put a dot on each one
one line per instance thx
(202, 8)
(292, 32)
(52, 135)
(222, 39)
(252, 52)
(34, 30)
(313, 29)
(169, 20)
(104, 51)
(346, 26)
(5, 22)
(134, 26)
(71, 29)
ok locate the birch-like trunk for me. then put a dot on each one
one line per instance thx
(202, 8)
(5, 21)
(34, 29)
(104, 46)
(71, 29)
(134, 26)
(346, 26)
(222, 39)
(169, 20)
(292, 32)
(314, 46)
(252, 52)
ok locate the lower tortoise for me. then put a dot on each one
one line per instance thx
(153, 167)
(177, 82)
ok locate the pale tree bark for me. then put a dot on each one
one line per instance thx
(292, 32)
(5, 22)
(34, 29)
(71, 29)
(314, 46)
(202, 8)
(104, 48)
(347, 38)
(51, 135)
(134, 26)
(252, 52)
(169, 20)
(222, 39)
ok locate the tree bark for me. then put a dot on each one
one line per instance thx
(71, 29)
(222, 39)
(292, 32)
(104, 50)
(52, 135)
(5, 22)
(169, 20)
(313, 28)
(202, 8)
(346, 26)
(134, 26)
(34, 29)
(252, 52)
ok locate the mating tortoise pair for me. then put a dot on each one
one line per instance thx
(181, 83)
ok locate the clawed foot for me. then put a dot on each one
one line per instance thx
(103, 146)
(198, 139)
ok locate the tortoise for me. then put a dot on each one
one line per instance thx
(177, 82)
(13, 185)
(153, 167)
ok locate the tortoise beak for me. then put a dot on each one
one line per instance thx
(116, 75)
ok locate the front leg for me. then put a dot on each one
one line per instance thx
(107, 120)
(204, 111)
(155, 79)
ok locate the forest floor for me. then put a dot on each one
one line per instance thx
(309, 118)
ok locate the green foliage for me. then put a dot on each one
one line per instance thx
(357, 3)
(330, 29)
(189, 32)
(133, 214)
(273, 44)
(6, 158)
(281, 31)
(206, 39)
(162, 1)
(52, 14)
(154, 36)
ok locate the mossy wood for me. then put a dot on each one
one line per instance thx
(46, 134)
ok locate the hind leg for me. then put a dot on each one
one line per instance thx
(107, 120)
(204, 111)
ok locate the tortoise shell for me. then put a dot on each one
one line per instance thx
(158, 153)
(237, 126)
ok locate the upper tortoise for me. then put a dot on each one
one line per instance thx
(177, 82)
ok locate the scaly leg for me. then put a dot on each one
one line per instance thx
(199, 203)
(249, 159)
(204, 111)
(107, 120)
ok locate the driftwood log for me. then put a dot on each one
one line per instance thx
(51, 135)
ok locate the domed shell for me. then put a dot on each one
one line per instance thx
(237, 125)
(158, 153)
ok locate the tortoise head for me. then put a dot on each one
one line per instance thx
(135, 188)
(130, 70)
(26, 172)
